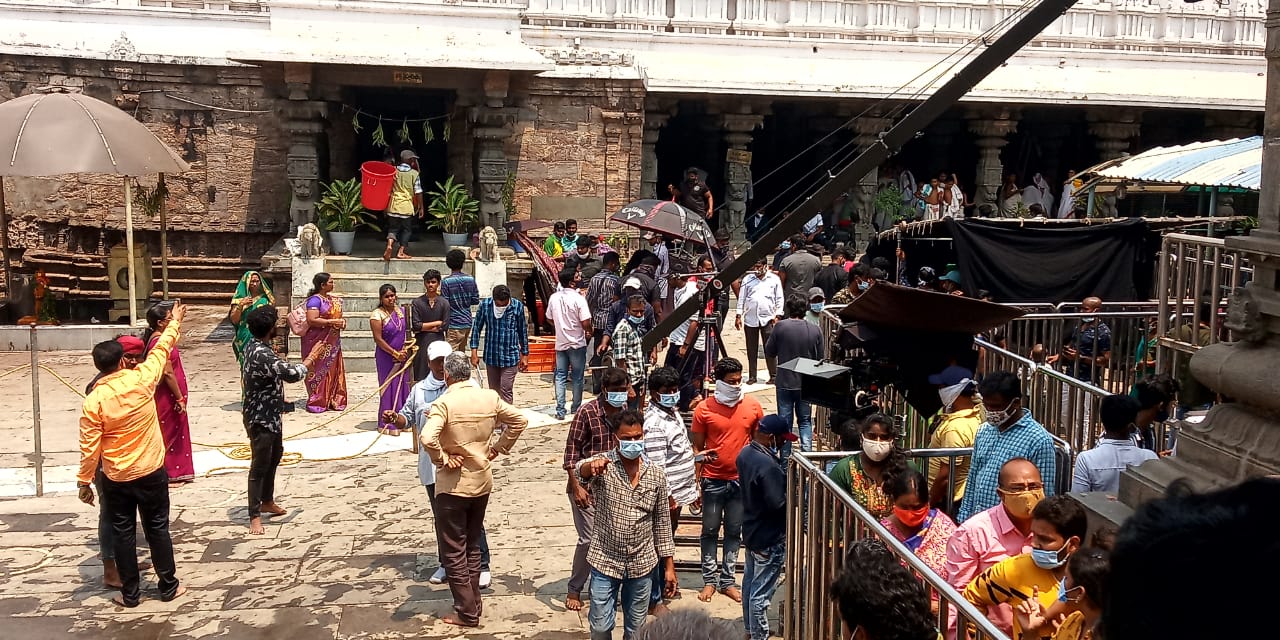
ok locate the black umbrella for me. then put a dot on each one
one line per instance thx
(665, 217)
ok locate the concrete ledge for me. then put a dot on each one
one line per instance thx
(80, 337)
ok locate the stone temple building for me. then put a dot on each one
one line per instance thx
(579, 106)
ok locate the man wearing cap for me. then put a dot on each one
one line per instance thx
(764, 519)
(658, 245)
(950, 283)
(618, 312)
(961, 418)
(817, 302)
(413, 415)
(794, 338)
(406, 202)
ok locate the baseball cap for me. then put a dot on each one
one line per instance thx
(408, 155)
(438, 349)
(953, 276)
(773, 424)
(131, 344)
(817, 292)
(632, 283)
(952, 375)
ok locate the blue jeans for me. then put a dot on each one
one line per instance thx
(575, 361)
(789, 403)
(759, 582)
(721, 504)
(604, 601)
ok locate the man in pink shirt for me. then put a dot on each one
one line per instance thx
(1003, 531)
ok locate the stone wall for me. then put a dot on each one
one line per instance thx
(583, 140)
(232, 204)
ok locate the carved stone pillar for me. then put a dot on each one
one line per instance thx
(654, 121)
(492, 128)
(991, 133)
(305, 125)
(1239, 439)
(868, 129)
(1114, 133)
(620, 128)
(737, 170)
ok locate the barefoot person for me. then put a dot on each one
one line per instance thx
(264, 376)
(119, 429)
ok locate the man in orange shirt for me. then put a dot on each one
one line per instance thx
(120, 430)
(722, 426)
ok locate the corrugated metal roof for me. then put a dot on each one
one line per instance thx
(1223, 163)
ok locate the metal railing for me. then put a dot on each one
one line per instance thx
(1194, 272)
(823, 521)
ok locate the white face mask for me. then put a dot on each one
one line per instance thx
(949, 394)
(875, 450)
(727, 394)
(498, 311)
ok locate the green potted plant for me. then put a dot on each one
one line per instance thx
(453, 211)
(340, 213)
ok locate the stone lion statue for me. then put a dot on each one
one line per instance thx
(310, 239)
(488, 244)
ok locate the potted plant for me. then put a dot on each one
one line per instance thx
(340, 213)
(452, 211)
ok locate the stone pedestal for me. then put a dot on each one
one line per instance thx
(654, 121)
(991, 133)
(491, 274)
(1114, 133)
(737, 170)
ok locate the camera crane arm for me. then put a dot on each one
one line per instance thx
(995, 55)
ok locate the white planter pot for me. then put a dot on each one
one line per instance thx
(340, 241)
(455, 239)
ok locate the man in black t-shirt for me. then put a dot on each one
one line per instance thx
(694, 194)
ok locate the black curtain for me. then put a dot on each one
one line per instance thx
(1035, 264)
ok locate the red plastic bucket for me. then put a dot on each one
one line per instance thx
(376, 179)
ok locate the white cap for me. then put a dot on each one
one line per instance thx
(632, 283)
(438, 349)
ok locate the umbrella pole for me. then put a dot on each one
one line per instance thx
(4, 243)
(164, 246)
(128, 241)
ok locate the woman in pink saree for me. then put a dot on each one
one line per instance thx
(923, 530)
(171, 402)
(327, 377)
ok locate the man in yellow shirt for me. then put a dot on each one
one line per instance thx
(406, 202)
(1058, 527)
(120, 430)
(960, 422)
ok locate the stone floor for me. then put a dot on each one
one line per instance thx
(351, 558)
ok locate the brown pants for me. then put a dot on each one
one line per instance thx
(502, 380)
(459, 529)
(459, 339)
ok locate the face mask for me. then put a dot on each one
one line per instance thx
(630, 449)
(875, 450)
(727, 394)
(635, 319)
(668, 400)
(997, 418)
(817, 307)
(1021, 504)
(498, 311)
(864, 285)
(616, 398)
(949, 394)
(1088, 319)
(912, 517)
(760, 273)
(785, 246)
(584, 256)
(1049, 560)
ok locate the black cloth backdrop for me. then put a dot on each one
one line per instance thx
(1034, 264)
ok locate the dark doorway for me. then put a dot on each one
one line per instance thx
(403, 109)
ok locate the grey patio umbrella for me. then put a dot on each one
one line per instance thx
(55, 133)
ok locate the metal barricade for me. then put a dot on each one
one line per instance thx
(822, 521)
(1195, 273)
(1051, 331)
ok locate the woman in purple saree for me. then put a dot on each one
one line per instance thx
(327, 377)
(390, 328)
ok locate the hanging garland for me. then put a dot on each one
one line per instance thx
(403, 134)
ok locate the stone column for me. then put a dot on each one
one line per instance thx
(867, 130)
(991, 133)
(620, 128)
(1114, 133)
(305, 125)
(1240, 439)
(737, 170)
(654, 121)
(491, 130)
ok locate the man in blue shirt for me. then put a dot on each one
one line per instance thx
(1099, 468)
(461, 292)
(1087, 350)
(506, 340)
(1009, 432)
(764, 519)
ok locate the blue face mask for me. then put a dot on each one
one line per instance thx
(864, 285)
(1047, 560)
(616, 398)
(668, 400)
(630, 449)
(817, 307)
(635, 319)
(786, 244)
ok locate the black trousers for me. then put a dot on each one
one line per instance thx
(147, 497)
(266, 448)
(399, 229)
(459, 529)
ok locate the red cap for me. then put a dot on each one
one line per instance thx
(131, 344)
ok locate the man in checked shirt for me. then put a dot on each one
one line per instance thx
(632, 533)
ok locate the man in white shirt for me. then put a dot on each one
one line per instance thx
(658, 245)
(570, 314)
(813, 227)
(1099, 468)
(688, 352)
(759, 306)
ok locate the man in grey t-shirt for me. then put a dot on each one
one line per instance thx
(794, 338)
(798, 269)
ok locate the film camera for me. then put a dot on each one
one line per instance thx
(894, 336)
